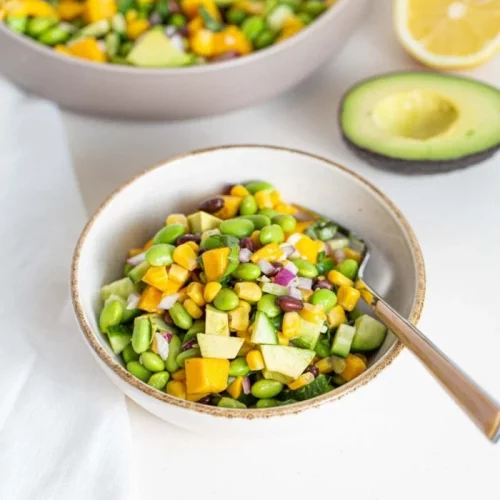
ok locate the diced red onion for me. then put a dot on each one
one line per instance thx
(246, 385)
(265, 266)
(294, 292)
(245, 255)
(168, 301)
(162, 346)
(190, 343)
(137, 259)
(290, 266)
(133, 301)
(284, 277)
(305, 283)
(167, 336)
(339, 256)
(288, 249)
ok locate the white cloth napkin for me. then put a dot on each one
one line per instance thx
(64, 430)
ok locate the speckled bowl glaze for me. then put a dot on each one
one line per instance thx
(176, 93)
(135, 211)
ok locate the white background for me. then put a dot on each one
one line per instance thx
(400, 436)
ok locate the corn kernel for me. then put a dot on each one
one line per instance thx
(178, 273)
(179, 375)
(338, 279)
(177, 219)
(348, 297)
(336, 316)
(275, 197)
(192, 309)
(245, 305)
(302, 381)
(230, 208)
(131, 15)
(312, 313)
(193, 245)
(197, 396)
(282, 340)
(328, 365)
(263, 199)
(352, 254)
(291, 324)
(236, 387)
(182, 294)
(355, 366)
(271, 252)
(195, 293)
(211, 290)
(136, 28)
(255, 360)
(306, 294)
(172, 287)
(177, 388)
(249, 291)
(185, 256)
(285, 208)
(362, 357)
(243, 334)
(239, 190)
(239, 319)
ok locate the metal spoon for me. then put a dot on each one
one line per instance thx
(481, 408)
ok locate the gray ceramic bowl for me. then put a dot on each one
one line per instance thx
(125, 92)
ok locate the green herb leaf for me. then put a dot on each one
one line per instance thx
(324, 264)
(209, 22)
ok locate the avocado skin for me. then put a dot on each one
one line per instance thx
(418, 167)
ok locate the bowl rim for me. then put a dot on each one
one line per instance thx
(248, 413)
(204, 68)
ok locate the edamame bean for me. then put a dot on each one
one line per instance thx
(152, 362)
(198, 327)
(236, 16)
(128, 354)
(111, 315)
(180, 316)
(141, 336)
(256, 186)
(266, 403)
(259, 221)
(17, 23)
(37, 25)
(54, 36)
(252, 27)
(159, 380)
(226, 300)
(248, 205)
(314, 7)
(348, 268)
(322, 348)
(175, 346)
(238, 368)
(137, 370)
(267, 305)
(265, 389)
(178, 20)
(194, 352)
(247, 272)
(271, 234)
(237, 227)
(305, 268)
(268, 212)
(230, 403)
(265, 38)
(305, 17)
(160, 255)
(127, 268)
(169, 234)
(324, 298)
(286, 222)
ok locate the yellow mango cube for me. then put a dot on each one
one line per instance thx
(271, 252)
(157, 277)
(215, 262)
(206, 375)
(177, 219)
(248, 290)
(185, 256)
(308, 248)
(150, 298)
(236, 387)
(239, 190)
(355, 366)
(178, 273)
(348, 297)
(230, 208)
(336, 316)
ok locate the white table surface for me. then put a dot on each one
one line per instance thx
(400, 436)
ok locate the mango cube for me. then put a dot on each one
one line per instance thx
(206, 375)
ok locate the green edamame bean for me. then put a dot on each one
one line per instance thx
(286, 222)
(37, 25)
(248, 205)
(322, 348)
(152, 362)
(194, 352)
(111, 315)
(160, 255)
(230, 403)
(293, 4)
(159, 380)
(267, 305)
(238, 367)
(175, 346)
(247, 272)
(268, 212)
(141, 336)
(127, 268)
(348, 268)
(178, 20)
(259, 221)
(169, 234)
(236, 16)
(324, 298)
(305, 18)
(305, 268)
(271, 234)
(252, 27)
(256, 186)
(54, 36)
(314, 8)
(126, 48)
(137, 273)
(241, 228)
(180, 316)
(128, 354)
(265, 389)
(267, 403)
(17, 23)
(266, 37)
(226, 300)
(198, 327)
(137, 370)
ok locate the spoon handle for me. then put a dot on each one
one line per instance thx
(479, 406)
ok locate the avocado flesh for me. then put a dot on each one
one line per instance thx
(421, 122)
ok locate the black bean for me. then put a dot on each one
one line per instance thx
(312, 369)
(247, 243)
(168, 319)
(318, 284)
(188, 237)
(289, 304)
(212, 205)
(206, 400)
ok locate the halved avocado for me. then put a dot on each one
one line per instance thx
(416, 122)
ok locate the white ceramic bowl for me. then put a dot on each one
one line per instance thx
(133, 213)
(173, 93)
